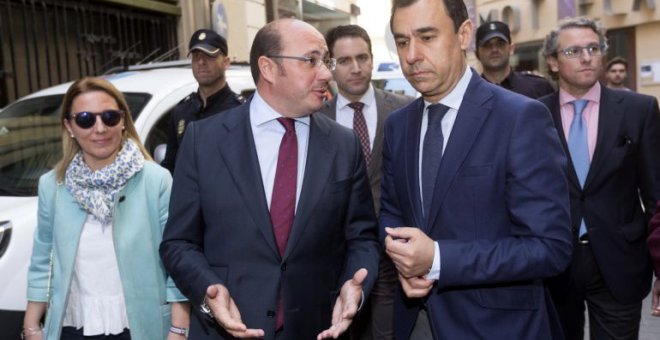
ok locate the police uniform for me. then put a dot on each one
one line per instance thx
(526, 83)
(189, 110)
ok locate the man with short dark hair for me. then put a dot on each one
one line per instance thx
(494, 47)
(616, 73)
(271, 230)
(612, 139)
(209, 63)
(474, 200)
(361, 107)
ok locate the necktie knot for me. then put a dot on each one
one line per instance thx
(288, 123)
(579, 105)
(436, 113)
(357, 106)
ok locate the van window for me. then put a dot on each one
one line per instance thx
(30, 140)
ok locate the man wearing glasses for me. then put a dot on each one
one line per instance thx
(612, 138)
(361, 107)
(208, 51)
(272, 231)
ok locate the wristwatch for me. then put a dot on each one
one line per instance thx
(205, 309)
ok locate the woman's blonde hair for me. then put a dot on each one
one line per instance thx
(91, 84)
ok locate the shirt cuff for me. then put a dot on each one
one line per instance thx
(434, 272)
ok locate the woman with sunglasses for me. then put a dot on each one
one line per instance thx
(95, 269)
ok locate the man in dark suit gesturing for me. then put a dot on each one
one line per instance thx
(612, 138)
(475, 200)
(271, 220)
(360, 106)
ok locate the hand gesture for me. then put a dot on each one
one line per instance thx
(416, 286)
(346, 306)
(226, 313)
(410, 249)
(655, 300)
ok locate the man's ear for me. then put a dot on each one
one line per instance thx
(465, 34)
(268, 68)
(553, 63)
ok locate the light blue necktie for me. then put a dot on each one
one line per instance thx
(578, 148)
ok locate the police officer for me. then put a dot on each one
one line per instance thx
(209, 62)
(494, 47)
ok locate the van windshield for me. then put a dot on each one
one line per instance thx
(30, 140)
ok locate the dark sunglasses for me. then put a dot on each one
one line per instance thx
(86, 119)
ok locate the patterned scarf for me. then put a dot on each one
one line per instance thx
(95, 191)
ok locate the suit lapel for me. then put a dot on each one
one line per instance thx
(383, 108)
(320, 154)
(609, 121)
(329, 108)
(474, 110)
(411, 161)
(239, 153)
(555, 110)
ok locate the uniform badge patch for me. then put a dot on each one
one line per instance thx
(180, 127)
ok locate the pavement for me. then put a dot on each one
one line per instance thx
(649, 328)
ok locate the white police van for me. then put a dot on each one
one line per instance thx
(30, 145)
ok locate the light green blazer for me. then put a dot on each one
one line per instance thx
(141, 210)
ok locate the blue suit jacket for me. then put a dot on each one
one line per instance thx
(219, 228)
(621, 189)
(499, 213)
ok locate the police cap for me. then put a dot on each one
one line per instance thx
(493, 29)
(209, 42)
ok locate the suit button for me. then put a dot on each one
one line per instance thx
(582, 198)
(270, 314)
(283, 267)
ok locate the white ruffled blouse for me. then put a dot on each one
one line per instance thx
(96, 296)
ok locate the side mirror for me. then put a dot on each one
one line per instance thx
(159, 153)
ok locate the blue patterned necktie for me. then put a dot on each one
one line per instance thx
(578, 148)
(432, 153)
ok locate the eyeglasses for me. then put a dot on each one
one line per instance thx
(86, 119)
(575, 51)
(313, 61)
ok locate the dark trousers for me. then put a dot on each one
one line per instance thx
(71, 333)
(376, 318)
(608, 318)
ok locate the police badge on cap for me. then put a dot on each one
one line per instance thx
(209, 42)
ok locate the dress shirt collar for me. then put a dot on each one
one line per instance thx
(454, 99)
(368, 99)
(593, 95)
(262, 113)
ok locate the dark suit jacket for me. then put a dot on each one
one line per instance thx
(499, 214)
(386, 102)
(654, 240)
(219, 228)
(624, 167)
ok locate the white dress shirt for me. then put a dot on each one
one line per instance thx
(268, 133)
(453, 100)
(345, 113)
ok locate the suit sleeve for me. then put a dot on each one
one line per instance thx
(363, 249)
(173, 293)
(537, 243)
(182, 248)
(390, 215)
(649, 160)
(40, 263)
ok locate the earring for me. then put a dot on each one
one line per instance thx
(72, 136)
(123, 128)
